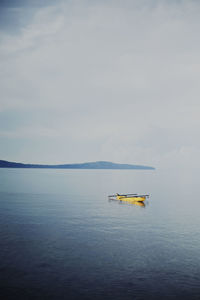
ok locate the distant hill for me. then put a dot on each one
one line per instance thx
(88, 165)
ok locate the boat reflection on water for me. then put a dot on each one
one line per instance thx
(133, 202)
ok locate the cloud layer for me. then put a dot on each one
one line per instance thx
(103, 80)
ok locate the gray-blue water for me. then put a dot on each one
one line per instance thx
(60, 237)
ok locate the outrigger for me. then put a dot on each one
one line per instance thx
(129, 197)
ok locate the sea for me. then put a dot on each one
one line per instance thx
(62, 238)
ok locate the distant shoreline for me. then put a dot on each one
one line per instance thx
(99, 165)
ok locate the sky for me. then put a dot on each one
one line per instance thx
(98, 80)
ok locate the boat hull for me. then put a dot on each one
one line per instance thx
(135, 199)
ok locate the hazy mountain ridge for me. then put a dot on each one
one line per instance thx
(87, 165)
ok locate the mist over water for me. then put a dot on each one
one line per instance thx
(61, 238)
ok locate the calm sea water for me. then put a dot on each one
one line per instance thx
(60, 237)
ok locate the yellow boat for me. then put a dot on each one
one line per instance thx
(134, 198)
(130, 197)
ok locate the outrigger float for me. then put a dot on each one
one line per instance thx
(129, 197)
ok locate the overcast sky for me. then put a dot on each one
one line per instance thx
(100, 80)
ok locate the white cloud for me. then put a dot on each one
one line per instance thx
(119, 81)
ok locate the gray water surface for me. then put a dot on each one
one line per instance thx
(60, 237)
